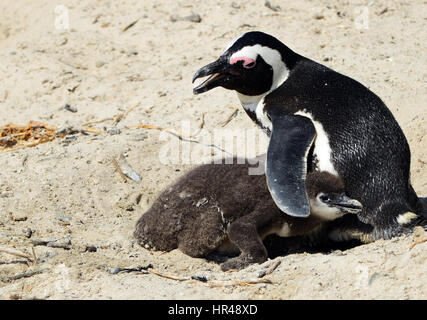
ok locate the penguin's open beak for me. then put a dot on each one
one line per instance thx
(220, 71)
(346, 204)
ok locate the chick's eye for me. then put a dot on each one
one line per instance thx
(249, 65)
(325, 198)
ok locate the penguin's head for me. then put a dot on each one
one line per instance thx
(253, 64)
(327, 196)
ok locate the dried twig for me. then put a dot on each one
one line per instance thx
(270, 269)
(52, 243)
(239, 283)
(231, 117)
(93, 130)
(137, 269)
(169, 130)
(382, 11)
(59, 245)
(201, 125)
(27, 274)
(14, 262)
(34, 253)
(122, 175)
(116, 119)
(13, 137)
(210, 283)
(126, 169)
(97, 121)
(122, 116)
(132, 108)
(193, 279)
(130, 25)
(418, 242)
(169, 276)
(73, 65)
(15, 252)
(178, 135)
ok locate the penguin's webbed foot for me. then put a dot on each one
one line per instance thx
(244, 235)
(242, 261)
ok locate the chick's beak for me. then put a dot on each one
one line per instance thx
(347, 205)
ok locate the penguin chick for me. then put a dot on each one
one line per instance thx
(221, 208)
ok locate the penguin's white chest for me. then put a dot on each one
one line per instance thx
(262, 116)
(255, 104)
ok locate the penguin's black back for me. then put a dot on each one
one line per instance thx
(369, 149)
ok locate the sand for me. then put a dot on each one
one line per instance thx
(103, 58)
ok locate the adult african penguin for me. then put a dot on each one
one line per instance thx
(222, 208)
(319, 119)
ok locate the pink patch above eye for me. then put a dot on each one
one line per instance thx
(246, 61)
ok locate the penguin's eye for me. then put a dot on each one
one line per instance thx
(247, 62)
(249, 65)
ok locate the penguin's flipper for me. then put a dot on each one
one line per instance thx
(286, 167)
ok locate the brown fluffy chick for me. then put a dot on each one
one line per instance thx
(221, 208)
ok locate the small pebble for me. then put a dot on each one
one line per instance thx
(338, 253)
(262, 273)
(41, 242)
(70, 108)
(272, 7)
(19, 216)
(114, 271)
(66, 245)
(50, 254)
(68, 139)
(194, 17)
(28, 232)
(64, 219)
(62, 41)
(114, 131)
(91, 249)
(99, 64)
(67, 130)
